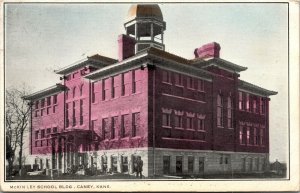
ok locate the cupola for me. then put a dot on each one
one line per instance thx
(145, 24)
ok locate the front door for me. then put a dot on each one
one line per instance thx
(201, 165)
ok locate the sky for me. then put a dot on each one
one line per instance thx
(40, 38)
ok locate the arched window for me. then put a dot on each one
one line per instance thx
(67, 94)
(220, 116)
(230, 112)
(74, 92)
(81, 89)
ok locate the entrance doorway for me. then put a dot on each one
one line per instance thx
(166, 164)
(201, 165)
(178, 164)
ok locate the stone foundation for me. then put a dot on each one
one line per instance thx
(167, 161)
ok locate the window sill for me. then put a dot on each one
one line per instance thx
(221, 127)
(167, 127)
(167, 83)
(191, 88)
(202, 131)
(190, 129)
(178, 85)
(179, 128)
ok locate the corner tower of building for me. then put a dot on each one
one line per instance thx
(145, 23)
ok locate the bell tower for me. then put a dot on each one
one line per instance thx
(145, 24)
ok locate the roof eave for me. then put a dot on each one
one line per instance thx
(50, 90)
(248, 87)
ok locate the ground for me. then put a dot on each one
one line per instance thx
(132, 177)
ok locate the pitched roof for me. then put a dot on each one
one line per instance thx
(45, 92)
(154, 54)
(255, 89)
(96, 60)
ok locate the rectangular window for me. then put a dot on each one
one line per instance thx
(190, 82)
(135, 124)
(43, 103)
(54, 129)
(36, 136)
(48, 101)
(200, 124)
(123, 86)
(48, 110)
(104, 163)
(54, 108)
(230, 112)
(200, 85)
(105, 131)
(42, 112)
(261, 136)
(166, 119)
(93, 125)
(263, 106)
(254, 105)
(93, 93)
(105, 89)
(67, 115)
(248, 135)
(124, 125)
(114, 163)
(166, 164)
(124, 160)
(220, 115)
(189, 122)
(36, 113)
(113, 87)
(226, 159)
(178, 121)
(190, 164)
(81, 112)
(133, 82)
(241, 101)
(74, 113)
(75, 75)
(178, 164)
(255, 139)
(43, 133)
(243, 135)
(166, 77)
(54, 99)
(48, 130)
(247, 102)
(114, 123)
(36, 104)
(178, 79)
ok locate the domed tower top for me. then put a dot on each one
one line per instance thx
(144, 11)
(145, 23)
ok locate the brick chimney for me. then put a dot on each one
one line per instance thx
(126, 46)
(210, 50)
